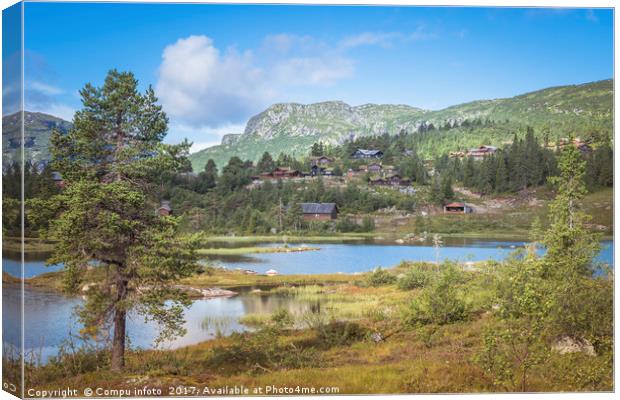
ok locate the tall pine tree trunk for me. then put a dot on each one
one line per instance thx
(120, 318)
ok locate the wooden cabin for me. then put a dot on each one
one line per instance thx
(319, 211)
(363, 153)
(281, 173)
(457, 208)
(164, 209)
(481, 152)
(321, 160)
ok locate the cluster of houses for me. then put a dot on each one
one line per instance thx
(318, 166)
(481, 152)
(579, 144)
(477, 153)
(381, 175)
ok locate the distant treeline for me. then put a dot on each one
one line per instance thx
(522, 164)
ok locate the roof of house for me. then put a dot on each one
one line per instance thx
(456, 204)
(484, 148)
(318, 208)
(368, 152)
(165, 204)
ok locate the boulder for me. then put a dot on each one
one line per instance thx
(568, 345)
(376, 337)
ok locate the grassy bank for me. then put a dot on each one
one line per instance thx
(508, 218)
(236, 279)
(358, 342)
(32, 245)
(213, 278)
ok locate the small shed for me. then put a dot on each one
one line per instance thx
(457, 208)
(165, 209)
(319, 211)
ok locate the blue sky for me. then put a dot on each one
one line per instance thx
(214, 66)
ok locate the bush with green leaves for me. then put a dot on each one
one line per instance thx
(416, 277)
(441, 302)
(282, 318)
(379, 277)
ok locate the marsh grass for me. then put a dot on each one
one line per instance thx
(220, 325)
(331, 343)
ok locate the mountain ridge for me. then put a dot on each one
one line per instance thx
(558, 109)
(292, 128)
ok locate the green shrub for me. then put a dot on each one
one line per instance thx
(440, 303)
(416, 277)
(380, 277)
(282, 318)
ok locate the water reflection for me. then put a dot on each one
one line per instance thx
(49, 319)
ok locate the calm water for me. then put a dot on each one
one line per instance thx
(352, 258)
(49, 320)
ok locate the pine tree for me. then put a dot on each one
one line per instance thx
(266, 163)
(294, 216)
(208, 178)
(570, 245)
(446, 187)
(469, 173)
(110, 161)
(436, 192)
(501, 175)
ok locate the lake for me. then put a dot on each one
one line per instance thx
(49, 320)
(362, 257)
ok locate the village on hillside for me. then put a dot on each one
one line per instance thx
(368, 170)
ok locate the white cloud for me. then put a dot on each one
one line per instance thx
(292, 60)
(202, 136)
(387, 39)
(206, 90)
(590, 16)
(315, 71)
(44, 88)
(56, 109)
(200, 85)
(421, 33)
(371, 38)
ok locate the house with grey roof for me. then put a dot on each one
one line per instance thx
(363, 153)
(319, 211)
